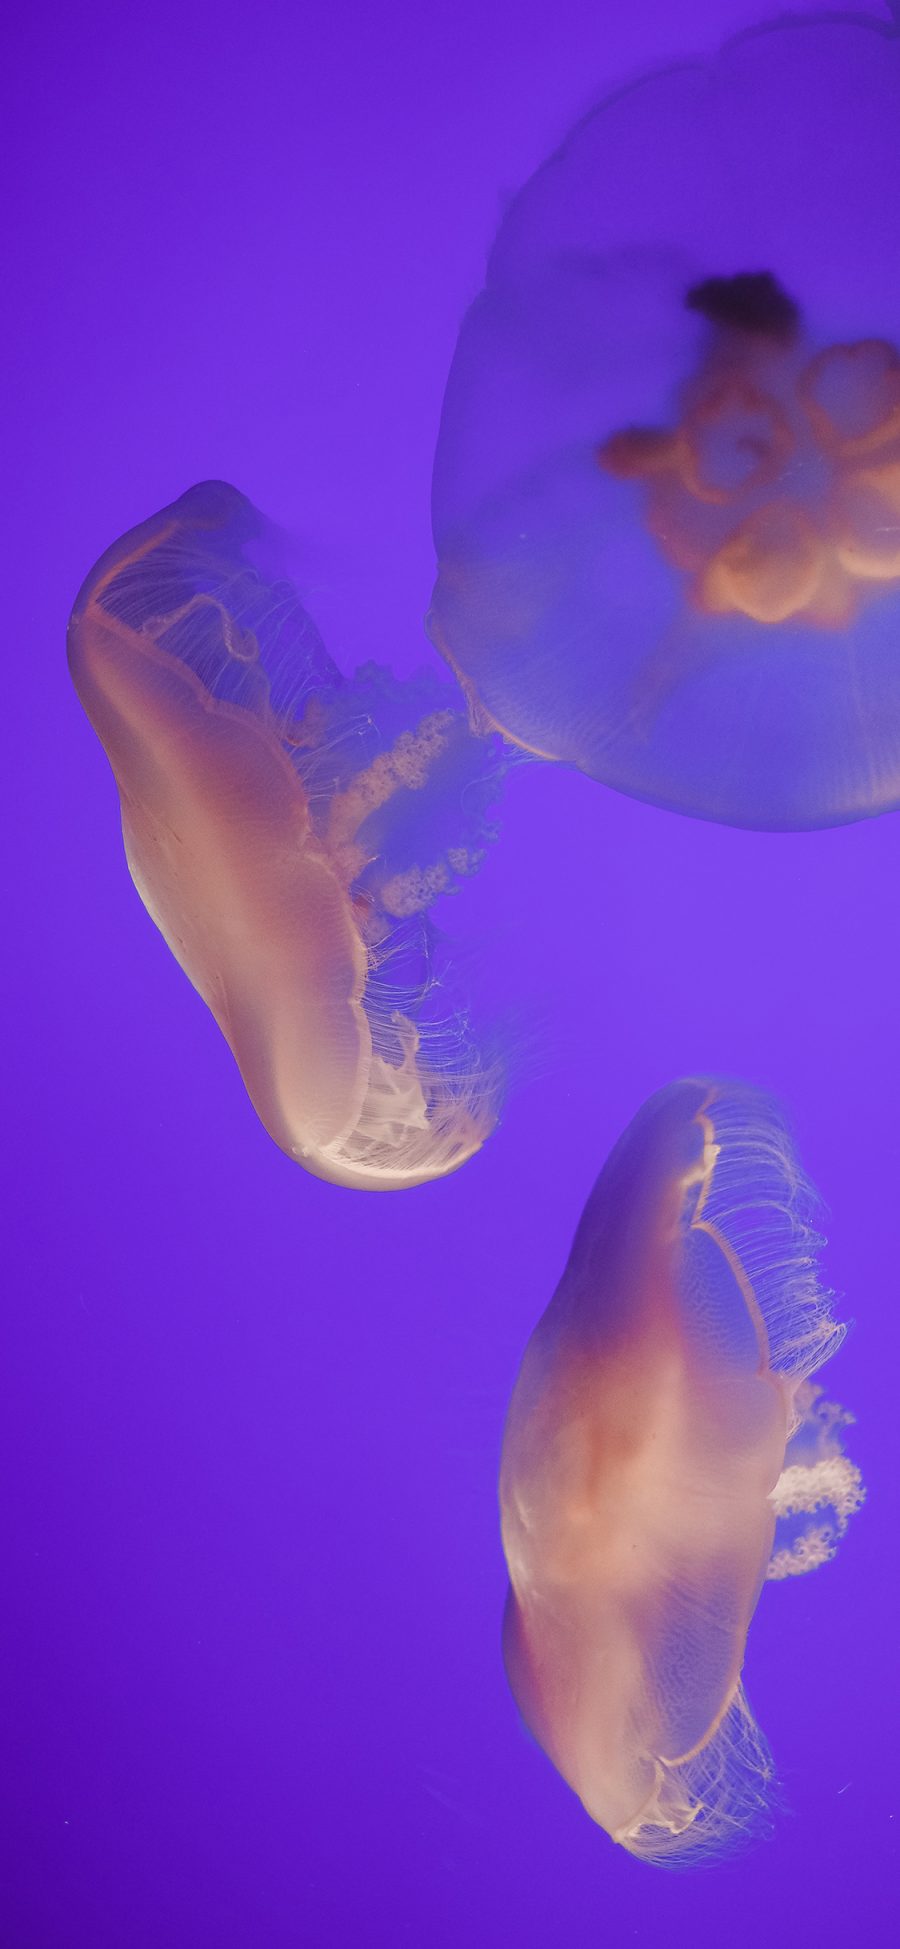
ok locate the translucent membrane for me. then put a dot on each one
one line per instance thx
(667, 483)
(665, 1452)
(287, 832)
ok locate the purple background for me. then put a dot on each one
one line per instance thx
(252, 1685)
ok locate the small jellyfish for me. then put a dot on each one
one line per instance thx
(287, 831)
(665, 1452)
(667, 483)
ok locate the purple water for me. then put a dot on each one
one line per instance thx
(253, 1691)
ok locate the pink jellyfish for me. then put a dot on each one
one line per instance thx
(287, 832)
(665, 1452)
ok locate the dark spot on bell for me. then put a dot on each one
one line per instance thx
(751, 301)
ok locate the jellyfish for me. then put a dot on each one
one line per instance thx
(666, 496)
(666, 1452)
(288, 832)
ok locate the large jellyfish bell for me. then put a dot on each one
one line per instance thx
(666, 1452)
(288, 831)
(667, 483)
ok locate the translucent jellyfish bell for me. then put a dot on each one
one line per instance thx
(287, 832)
(667, 483)
(665, 1452)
